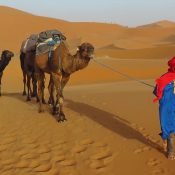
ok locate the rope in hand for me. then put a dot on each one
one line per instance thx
(123, 74)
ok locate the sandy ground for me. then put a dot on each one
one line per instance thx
(112, 126)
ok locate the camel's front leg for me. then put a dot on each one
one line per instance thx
(1, 73)
(64, 80)
(51, 91)
(58, 106)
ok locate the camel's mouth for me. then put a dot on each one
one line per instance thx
(10, 55)
(91, 56)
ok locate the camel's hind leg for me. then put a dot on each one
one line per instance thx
(40, 80)
(1, 73)
(24, 82)
(34, 83)
(22, 57)
(58, 106)
(29, 90)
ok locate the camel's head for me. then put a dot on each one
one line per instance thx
(86, 50)
(6, 54)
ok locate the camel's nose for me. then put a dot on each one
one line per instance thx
(12, 55)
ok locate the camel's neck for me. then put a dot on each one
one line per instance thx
(69, 63)
(76, 62)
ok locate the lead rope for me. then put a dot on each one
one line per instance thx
(123, 74)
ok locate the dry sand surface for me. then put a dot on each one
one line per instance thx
(112, 126)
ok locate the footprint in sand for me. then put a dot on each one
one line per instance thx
(159, 171)
(22, 164)
(34, 164)
(3, 148)
(100, 144)
(29, 156)
(68, 162)
(59, 158)
(79, 149)
(141, 150)
(102, 154)
(153, 162)
(101, 158)
(21, 153)
(44, 167)
(97, 164)
(31, 145)
(43, 150)
(138, 128)
(87, 141)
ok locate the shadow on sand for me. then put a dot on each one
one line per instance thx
(112, 122)
(104, 118)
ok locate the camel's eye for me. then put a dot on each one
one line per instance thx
(82, 49)
(90, 49)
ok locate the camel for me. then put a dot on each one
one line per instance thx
(4, 61)
(27, 67)
(27, 56)
(60, 67)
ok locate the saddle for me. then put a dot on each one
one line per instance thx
(48, 41)
(29, 44)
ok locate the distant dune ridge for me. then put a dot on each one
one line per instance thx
(109, 39)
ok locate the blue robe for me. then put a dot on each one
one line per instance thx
(167, 111)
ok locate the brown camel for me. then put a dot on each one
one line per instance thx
(60, 67)
(4, 61)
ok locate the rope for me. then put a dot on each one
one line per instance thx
(123, 74)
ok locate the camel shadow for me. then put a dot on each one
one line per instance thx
(112, 122)
(23, 98)
(15, 95)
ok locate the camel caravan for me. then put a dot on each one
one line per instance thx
(47, 52)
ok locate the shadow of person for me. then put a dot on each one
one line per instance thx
(112, 122)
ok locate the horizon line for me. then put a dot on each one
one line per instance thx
(99, 22)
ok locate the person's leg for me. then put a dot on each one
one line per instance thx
(164, 145)
(170, 147)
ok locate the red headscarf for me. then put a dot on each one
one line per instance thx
(165, 79)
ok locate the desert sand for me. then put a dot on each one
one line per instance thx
(112, 124)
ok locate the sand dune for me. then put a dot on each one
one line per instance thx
(22, 24)
(159, 51)
(163, 23)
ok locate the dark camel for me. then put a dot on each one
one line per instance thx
(27, 66)
(60, 67)
(4, 61)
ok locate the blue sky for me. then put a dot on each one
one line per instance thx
(124, 12)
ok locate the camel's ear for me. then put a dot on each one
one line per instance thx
(78, 48)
